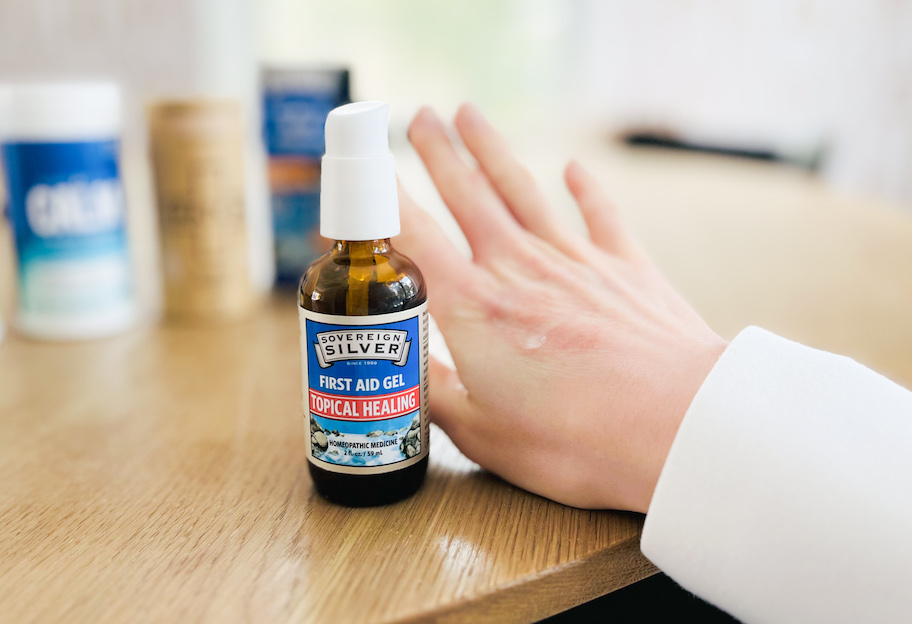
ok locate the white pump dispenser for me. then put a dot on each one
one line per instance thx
(358, 197)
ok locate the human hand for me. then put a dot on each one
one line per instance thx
(575, 359)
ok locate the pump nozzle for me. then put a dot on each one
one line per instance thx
(358, 197)
(358, 130)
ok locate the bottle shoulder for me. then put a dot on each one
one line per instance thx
(344, 284)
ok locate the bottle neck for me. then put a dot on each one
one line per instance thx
(368, 247)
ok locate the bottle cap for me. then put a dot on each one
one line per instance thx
(358, 197)
(59, 111)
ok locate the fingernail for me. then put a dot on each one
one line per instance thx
(574, 169)
(470, 113)
(416, 120)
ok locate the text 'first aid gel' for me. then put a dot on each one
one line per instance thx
(364, 326)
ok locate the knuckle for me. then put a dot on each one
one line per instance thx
(517, 179)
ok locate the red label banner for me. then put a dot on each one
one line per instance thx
(377, 407)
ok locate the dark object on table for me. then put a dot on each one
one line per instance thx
(809, 160)
(657, 599)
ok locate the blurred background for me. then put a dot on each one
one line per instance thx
(810, 79)
(802, 76)
(823, 86)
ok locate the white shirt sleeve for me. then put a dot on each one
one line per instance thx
(787, 493)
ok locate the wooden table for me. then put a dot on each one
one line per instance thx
(160, 476)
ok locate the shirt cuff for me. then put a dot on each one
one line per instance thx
(787, 493)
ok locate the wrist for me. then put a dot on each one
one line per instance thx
(661, 426)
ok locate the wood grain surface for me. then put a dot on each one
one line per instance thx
(160, 476)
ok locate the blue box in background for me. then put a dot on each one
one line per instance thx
(296, 101)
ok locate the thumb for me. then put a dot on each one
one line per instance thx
(449, 401)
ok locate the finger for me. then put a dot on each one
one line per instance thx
(510, 179)
(446, 271)
(599, 213)
(485, 221)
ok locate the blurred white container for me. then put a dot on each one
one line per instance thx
(60, 145)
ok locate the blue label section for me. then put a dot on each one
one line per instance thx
(65, 198)
(67, 211)
(348, 360)
(294, 112)
(293, 122)
(363, 392)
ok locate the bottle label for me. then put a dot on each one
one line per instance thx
(365, 390)
(67, 210)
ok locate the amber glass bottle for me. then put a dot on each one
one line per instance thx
(364, 326)
(360, 279)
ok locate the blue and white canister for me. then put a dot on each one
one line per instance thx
(60, 145)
